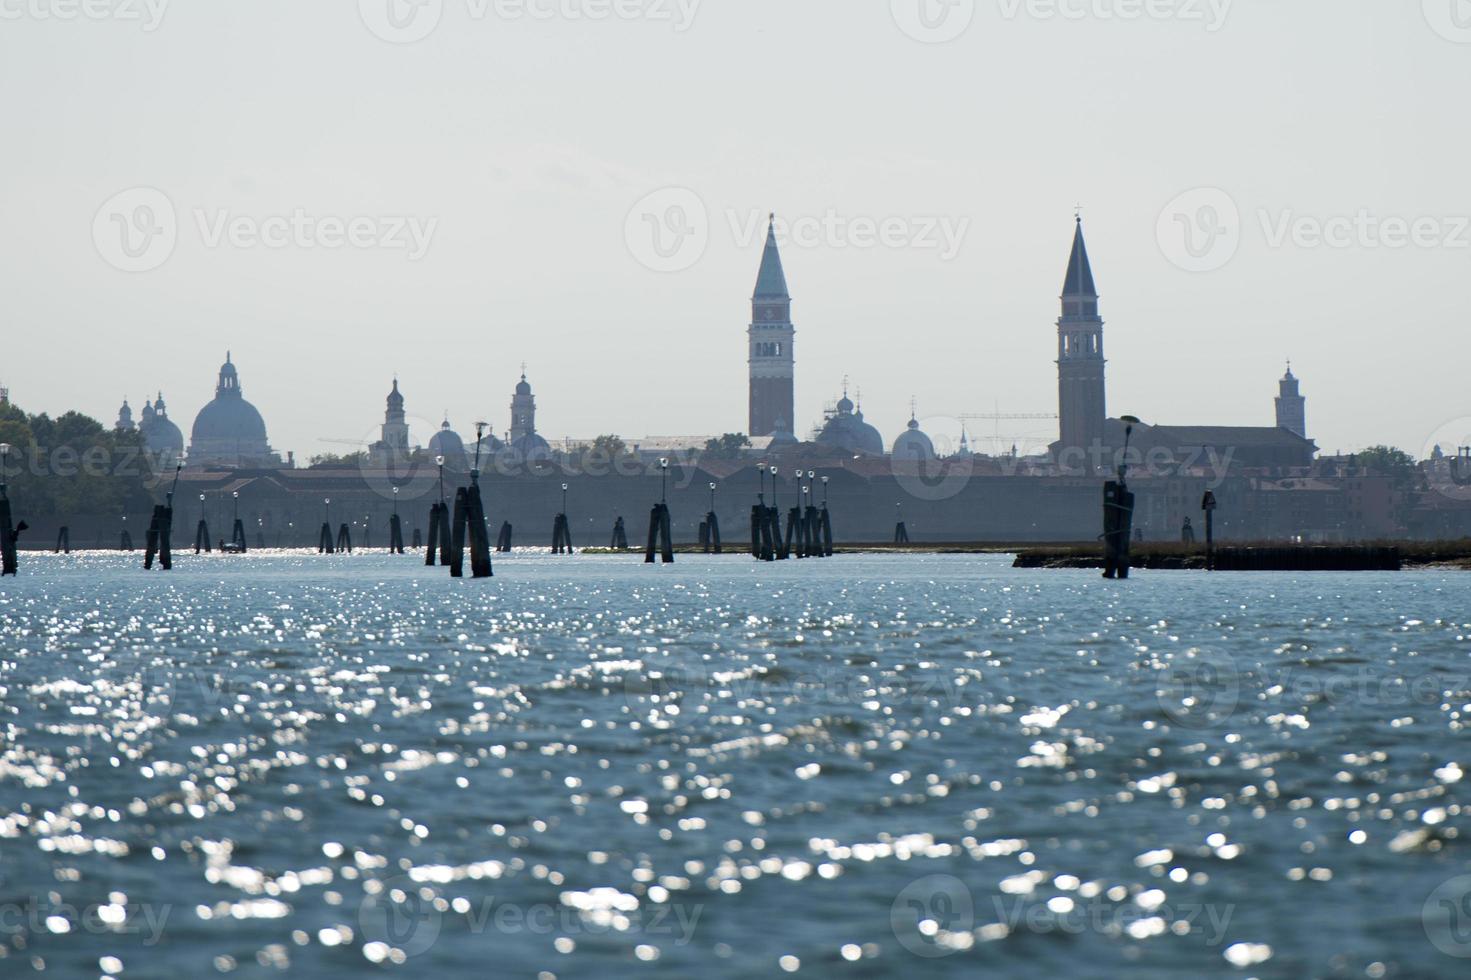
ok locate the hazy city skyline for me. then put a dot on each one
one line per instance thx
(415, 207)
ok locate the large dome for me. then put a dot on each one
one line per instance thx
(229, 431)
(229, 420)
(846, 430)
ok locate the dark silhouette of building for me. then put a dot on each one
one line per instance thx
(772, 362)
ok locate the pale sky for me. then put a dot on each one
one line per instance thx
(520, 137)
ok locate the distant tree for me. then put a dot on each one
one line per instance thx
(728, 446)
(610, 445)
(334, 461)
(1388, 461)
(73, 465)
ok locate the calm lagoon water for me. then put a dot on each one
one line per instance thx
(863, 767)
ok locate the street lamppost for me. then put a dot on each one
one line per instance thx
(664, 481)
(775, 506)
(564, 500)
(395, 501)
(440, 461)
(712, 498)
(327, 511)
(236, 515)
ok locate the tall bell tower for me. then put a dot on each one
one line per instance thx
(1080, 362)
(772, 363)
(1292, 407)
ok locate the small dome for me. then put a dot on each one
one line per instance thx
(845, 406)
(524, 386)
(913, 444)
(447, 443)
(395, 397)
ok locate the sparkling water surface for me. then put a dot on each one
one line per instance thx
(865, 767)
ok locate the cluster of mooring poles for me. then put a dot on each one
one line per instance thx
(710, 528)
(1118, 513)
(901, 530)
(450, 531)
(161, 529)
(620, 536)
(9, 533)
(661, 537)
(809, 532)
(561, 531)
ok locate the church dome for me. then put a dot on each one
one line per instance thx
(160, 435)
(523, 387)
(913, 444)
(229, 420)
(846, 430)
(531, 445)
(447, 443)
(228, 431)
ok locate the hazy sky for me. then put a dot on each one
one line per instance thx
(537, 148)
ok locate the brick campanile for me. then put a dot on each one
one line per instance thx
(772, 364)
(1080, 362)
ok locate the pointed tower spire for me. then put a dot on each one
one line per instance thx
(771, 282)
(1079, 281)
